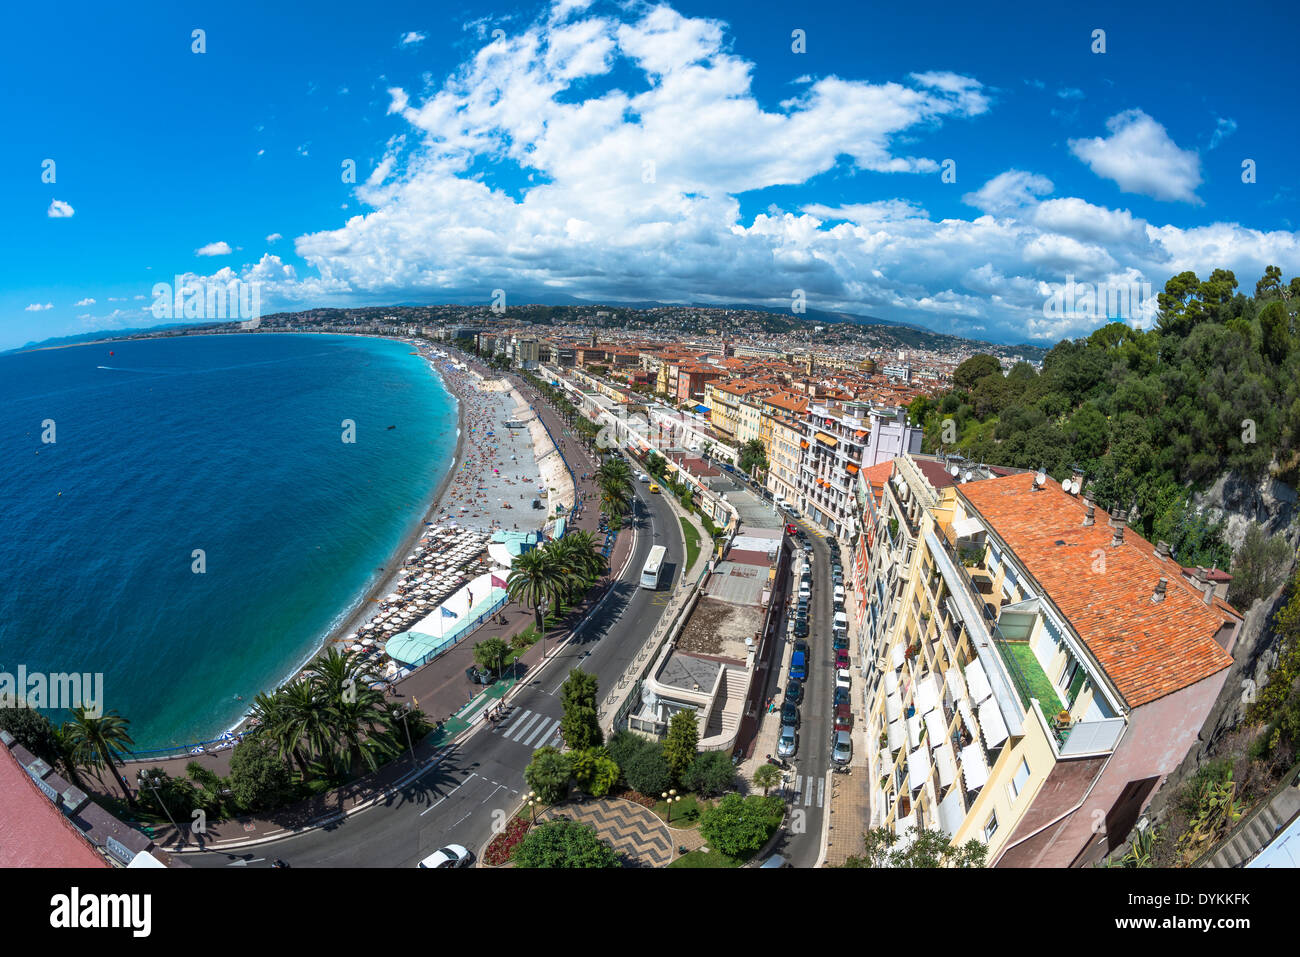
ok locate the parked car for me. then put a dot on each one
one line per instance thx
(788, 742)
(840, 642)
(793, 692)
(790, 713)
(841, 696)
(480, 676)
(453, 855)
(843, 679)
(776, 860)
(801, 647)
(841, 747)
(844, 717)
(799, 666)
(801, 628)
(842, 659)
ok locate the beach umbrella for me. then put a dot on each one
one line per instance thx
(367, 642)
(226, 736)
(355, 648)
(198, 750)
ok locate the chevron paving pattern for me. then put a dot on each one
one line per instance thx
(634, 831)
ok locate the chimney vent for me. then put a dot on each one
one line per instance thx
(1088, 511)
(1118, 522)
(1161, 586)
(1208, 598)
(1162, 550)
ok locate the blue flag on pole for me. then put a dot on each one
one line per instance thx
(448, 613)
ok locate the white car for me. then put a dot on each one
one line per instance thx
(453, 855)
(844, 679)
(643, 478)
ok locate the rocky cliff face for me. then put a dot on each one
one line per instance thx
(1239, 502)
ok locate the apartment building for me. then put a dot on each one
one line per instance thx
(1033, 672)
(729, 412)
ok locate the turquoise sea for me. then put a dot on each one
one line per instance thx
(232, 445)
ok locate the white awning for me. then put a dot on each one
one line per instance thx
(973, 766)
(968, 718)
(977, 681)
(966, 527)
(951, 813)
(905, 828)
(936, 725)
(918, 767)
(956, 686)
(893, 707)
(897, 735)
(914, 730)
(891, 682)
(947, 764)
(886, 762)
(926, 695)
(995, 729)
(898, 655)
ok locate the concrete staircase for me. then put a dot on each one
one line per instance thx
(729, 707)
(1253, 834)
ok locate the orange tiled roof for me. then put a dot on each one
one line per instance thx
(1149, 650)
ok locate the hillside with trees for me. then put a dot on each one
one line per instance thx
(1150, 416)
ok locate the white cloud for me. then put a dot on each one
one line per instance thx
(635, 195)
(412, 38)
(274, 237)
(37, 307)
(220, 248)
(86, 302)
(1141, 158)
(59, 210)
(1223, 128)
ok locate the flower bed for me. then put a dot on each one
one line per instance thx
(636, 797)
(503, 845)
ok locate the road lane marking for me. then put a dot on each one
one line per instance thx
(546, 727)
(807, 800)
(520, 732)
(447, 795)
(821, 790)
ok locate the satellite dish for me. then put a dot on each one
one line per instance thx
(1073, 487)
(967, 477)
(953, 471)
(1040, 478)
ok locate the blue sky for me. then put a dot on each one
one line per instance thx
(675, 152)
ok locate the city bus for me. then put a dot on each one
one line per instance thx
(654, 566)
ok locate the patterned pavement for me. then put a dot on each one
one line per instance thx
(636, 832)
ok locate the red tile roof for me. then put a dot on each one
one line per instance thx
(1149, 650)
(33, 832)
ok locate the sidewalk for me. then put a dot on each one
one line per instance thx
(849, 815)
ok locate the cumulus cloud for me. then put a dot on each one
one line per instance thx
(38, 307)
(1141, 158)
(628, 140)
(1223, 128)
(59, 210)
(220, 248)
(274, 237)
(86, 302)
(411, 39)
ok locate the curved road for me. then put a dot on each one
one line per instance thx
(477, 783)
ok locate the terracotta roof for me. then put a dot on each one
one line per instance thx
(33, 832)
(1149, 650)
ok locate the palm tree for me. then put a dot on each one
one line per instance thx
(587, 549)
(275, 720)
(362, 727)
(568, 565)
(93, 741)
(533, 580)
(308, 718)
(766, 777)
(615, 501)
(614, 469)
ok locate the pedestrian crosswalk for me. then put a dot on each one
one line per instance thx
(808, 791)
(532, 729)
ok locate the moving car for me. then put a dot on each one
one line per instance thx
(776, 860)
(654, 489)
(788, 743)
(841, 747)
(643, 479)
(790, 529)
(453, 855)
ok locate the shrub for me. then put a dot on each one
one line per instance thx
(259, 778)
(564, 844)
(622, 747)
(548, 774)
(739, 826)
(648, 770)
(1258, 566)
(711, 774)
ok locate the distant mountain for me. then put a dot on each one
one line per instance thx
(104, 335)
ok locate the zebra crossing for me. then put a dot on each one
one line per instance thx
(810, 789)
(532, 729)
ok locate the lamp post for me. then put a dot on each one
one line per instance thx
(532, 805)
(153, 783)
(670, 796)
(403, 712)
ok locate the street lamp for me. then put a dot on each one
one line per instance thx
(670, 796)
(153, 783)
(532, 805)
(403, 712)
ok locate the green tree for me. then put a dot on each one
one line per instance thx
(564, 844)
(711, 774)
(766, 776)
(260, 780)
(32, 729)
(534, 580)
(622, 747)
(979, 366)
(593, 770)
(579, 724)
(1258, 567)
(738, 826)
(96, 741)
(168, 796)
(548, 774)
(753, 457)
(490, 653)
(929, 848)
(681, 743)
